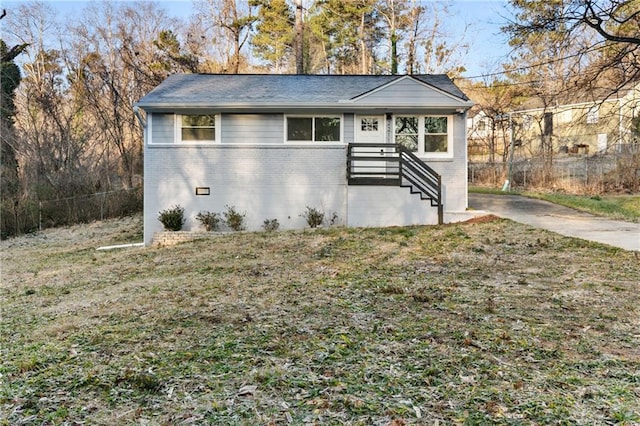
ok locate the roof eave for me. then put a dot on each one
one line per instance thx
(342, 106)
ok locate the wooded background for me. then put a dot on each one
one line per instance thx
(71, 141)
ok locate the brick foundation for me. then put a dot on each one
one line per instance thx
(170, 238)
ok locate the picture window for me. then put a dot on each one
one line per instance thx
(313, 129)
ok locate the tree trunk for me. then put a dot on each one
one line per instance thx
(299, 39)
(363, 48)
(394, 53)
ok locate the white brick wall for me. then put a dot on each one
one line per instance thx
(388, 206)
(273, 181)
(454, 171)
(263, 181)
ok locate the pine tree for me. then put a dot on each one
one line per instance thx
(347, 32)
(273, 40)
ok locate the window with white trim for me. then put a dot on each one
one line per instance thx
(198, 128)
(593, 115)
(424, 135)
(407, 132)
(313, 129)
(436, 134)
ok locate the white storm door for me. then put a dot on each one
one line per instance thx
(371, 129)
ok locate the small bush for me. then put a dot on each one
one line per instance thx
(313, 216)
(270, 225)
(234, 219)
(172, 219)
(210, 220)
(334, 219)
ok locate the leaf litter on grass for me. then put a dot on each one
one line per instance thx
(485, 322)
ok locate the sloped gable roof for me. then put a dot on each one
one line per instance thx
(268, 90)
(409, 91)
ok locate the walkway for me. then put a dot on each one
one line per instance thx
(559, 219)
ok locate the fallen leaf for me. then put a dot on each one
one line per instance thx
(417, 411)
(248, 390)
(468, 379)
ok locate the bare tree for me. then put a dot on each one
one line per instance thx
(601, 36)
(231, 23)
(443, 53)
(116, 59)
(51, 146)
(419, 29)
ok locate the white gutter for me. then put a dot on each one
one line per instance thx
(143, 122)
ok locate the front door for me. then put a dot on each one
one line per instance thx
(371, 129)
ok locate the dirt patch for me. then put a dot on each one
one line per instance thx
(483, 219)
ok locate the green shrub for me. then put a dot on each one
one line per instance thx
(210, 220)
(234, 219)
(270, 225)
(172, 219)
(334, 219)
(313, 216)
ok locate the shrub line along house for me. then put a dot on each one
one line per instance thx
(367, 150)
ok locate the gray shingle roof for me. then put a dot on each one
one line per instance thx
(263, 90)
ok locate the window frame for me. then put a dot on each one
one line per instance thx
(593, 115)
(421, 135)
(313, 129)
(216, 128)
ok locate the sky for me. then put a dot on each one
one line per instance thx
(482, 19)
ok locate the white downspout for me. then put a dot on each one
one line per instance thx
(141, 120)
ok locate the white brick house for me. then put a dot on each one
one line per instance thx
(271, 145)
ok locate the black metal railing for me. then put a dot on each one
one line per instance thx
(394, 165)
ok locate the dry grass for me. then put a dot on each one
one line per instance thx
(488, 322)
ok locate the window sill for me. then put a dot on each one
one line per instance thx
(432, 158)
(307, 143)
(296, 145)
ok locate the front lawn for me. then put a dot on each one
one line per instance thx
(490, 322)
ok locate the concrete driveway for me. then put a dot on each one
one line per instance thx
(559, 219)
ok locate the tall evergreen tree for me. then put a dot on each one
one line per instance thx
(274, 36)
(345, 31)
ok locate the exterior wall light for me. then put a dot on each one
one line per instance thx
(203, 190)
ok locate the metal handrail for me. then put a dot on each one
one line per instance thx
(393, 164)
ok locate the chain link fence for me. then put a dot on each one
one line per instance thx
(585, 174)
(32, 215)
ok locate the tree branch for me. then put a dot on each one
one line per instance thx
(592, 19)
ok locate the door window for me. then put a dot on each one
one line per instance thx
(369, 124)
